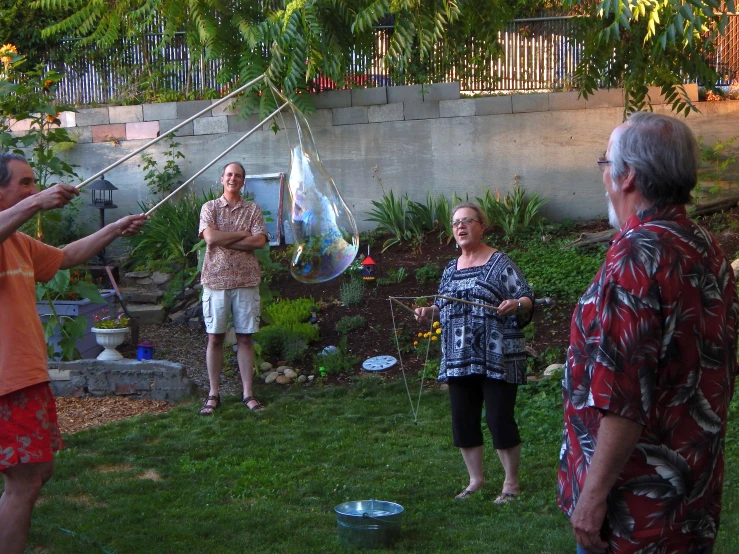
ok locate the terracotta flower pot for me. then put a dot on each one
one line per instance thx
(109, 339)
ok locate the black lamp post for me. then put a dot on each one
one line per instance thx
(102, 199)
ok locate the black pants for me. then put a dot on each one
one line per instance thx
(467, 395)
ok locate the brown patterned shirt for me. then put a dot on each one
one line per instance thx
(226, 268)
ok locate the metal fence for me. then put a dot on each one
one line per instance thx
(537, 54)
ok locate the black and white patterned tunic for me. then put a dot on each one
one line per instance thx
(476, 340)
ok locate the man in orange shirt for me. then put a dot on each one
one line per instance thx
(29, 433)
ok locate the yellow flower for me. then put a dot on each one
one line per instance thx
(438, 331)
(434, 337)
(415, 343)
(420, 334)
(5, 50)
(436, 324)
(426, 335)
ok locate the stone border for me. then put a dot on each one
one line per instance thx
(149, 379)
(342, 107)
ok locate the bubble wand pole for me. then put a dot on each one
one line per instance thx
(172, 130)
(226, 151)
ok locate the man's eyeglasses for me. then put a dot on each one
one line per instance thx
(464, 220)
(603, 163)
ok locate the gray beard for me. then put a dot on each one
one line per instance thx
(612, 216)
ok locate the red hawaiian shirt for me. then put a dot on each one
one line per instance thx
(653, 339)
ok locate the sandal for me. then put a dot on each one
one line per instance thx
(258, 408)
(208, 409)
(466, 493)
(505, 498)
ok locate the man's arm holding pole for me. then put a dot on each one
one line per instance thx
(82, 250)
(15, 216)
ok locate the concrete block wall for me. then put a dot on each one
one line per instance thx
(417, 139)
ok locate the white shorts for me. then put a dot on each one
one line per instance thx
(243, 303)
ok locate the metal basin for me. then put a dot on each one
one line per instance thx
(369, 523)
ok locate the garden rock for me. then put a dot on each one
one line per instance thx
(444, 386)
(283, 380)
(735, 267)
(290, 373)
(159, 278)
(553, 370)
(302, 379)
(137, 274)
(271, 377)
(311, 377)
(281, 369)
(265, 366)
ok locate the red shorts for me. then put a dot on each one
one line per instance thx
(29, 431)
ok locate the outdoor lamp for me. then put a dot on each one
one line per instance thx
(102, 199)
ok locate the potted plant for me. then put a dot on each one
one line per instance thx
(66, 306)
(110, 332)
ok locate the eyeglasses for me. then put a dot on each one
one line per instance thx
(464, 220)
(603, 162)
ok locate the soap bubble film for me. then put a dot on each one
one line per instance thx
(326, 236)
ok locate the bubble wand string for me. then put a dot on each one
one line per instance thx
(414, 409)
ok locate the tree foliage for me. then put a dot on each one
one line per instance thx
(636, 43)
(629, 43)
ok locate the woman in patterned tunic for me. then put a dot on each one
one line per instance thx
(483, 356)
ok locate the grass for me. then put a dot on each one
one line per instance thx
(238, 482)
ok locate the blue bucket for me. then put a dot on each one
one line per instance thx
(369, 523)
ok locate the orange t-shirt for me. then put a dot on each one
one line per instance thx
(23, 359)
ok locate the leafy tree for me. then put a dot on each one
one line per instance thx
(629, 43)
(636, 43)
(21, 25)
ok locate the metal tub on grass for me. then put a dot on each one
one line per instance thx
(369, 523)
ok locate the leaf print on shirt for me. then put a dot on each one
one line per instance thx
(639, 254)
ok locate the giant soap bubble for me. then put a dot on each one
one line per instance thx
(326, 236)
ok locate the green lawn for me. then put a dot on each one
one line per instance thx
(241, 483)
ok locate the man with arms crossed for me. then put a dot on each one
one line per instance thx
(29, 433)
(652, 360)
(233, 228)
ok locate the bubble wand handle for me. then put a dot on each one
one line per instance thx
(226, 151)
(172, 130)
(488, 306)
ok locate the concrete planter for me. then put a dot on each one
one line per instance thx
(87, 345)
(110, 339)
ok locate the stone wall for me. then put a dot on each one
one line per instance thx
(149, 379)
(408, 139)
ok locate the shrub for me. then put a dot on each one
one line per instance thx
(515, 213)
(271, 339)
(294, 348)
(347, 324)
(393, 276)
(306, 331)
(287, 312)
(172, 234)
(351, 293)
(334, 363)
(430, 273)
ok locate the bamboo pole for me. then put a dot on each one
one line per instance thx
(226, 151)
(172, 130)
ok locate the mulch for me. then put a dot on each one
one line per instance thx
(76, 414)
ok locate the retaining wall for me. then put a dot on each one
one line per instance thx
(413, 139)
